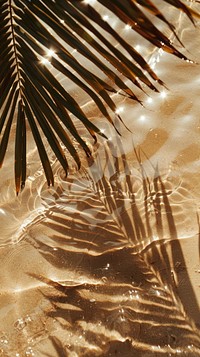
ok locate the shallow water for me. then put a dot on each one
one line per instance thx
(106, 263)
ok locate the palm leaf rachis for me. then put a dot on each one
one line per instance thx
(32, 97)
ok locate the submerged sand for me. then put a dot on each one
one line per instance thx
(106, 263)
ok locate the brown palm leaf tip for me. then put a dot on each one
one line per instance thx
(31, 95)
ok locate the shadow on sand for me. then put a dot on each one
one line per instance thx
(123, 298)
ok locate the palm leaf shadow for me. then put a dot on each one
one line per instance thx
(159, 197)
(119, 299)
(178, 263)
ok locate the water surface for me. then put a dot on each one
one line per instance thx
(106, 263)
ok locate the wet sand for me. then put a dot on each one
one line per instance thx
(106, 263)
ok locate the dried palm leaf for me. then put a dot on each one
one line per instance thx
(30, 93)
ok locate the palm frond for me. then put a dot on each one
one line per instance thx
(32, 97)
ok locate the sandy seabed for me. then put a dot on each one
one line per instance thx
(106, 263)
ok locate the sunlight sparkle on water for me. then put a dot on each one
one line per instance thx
(137, 47)
(45, 61)
(50, 53)
(102, 130)
(105, 17)
(89, 2)
(119, 110)
(142, 118)
(149, 100)
(163, 94)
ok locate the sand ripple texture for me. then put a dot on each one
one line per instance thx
(106, 263)
(91, 263)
